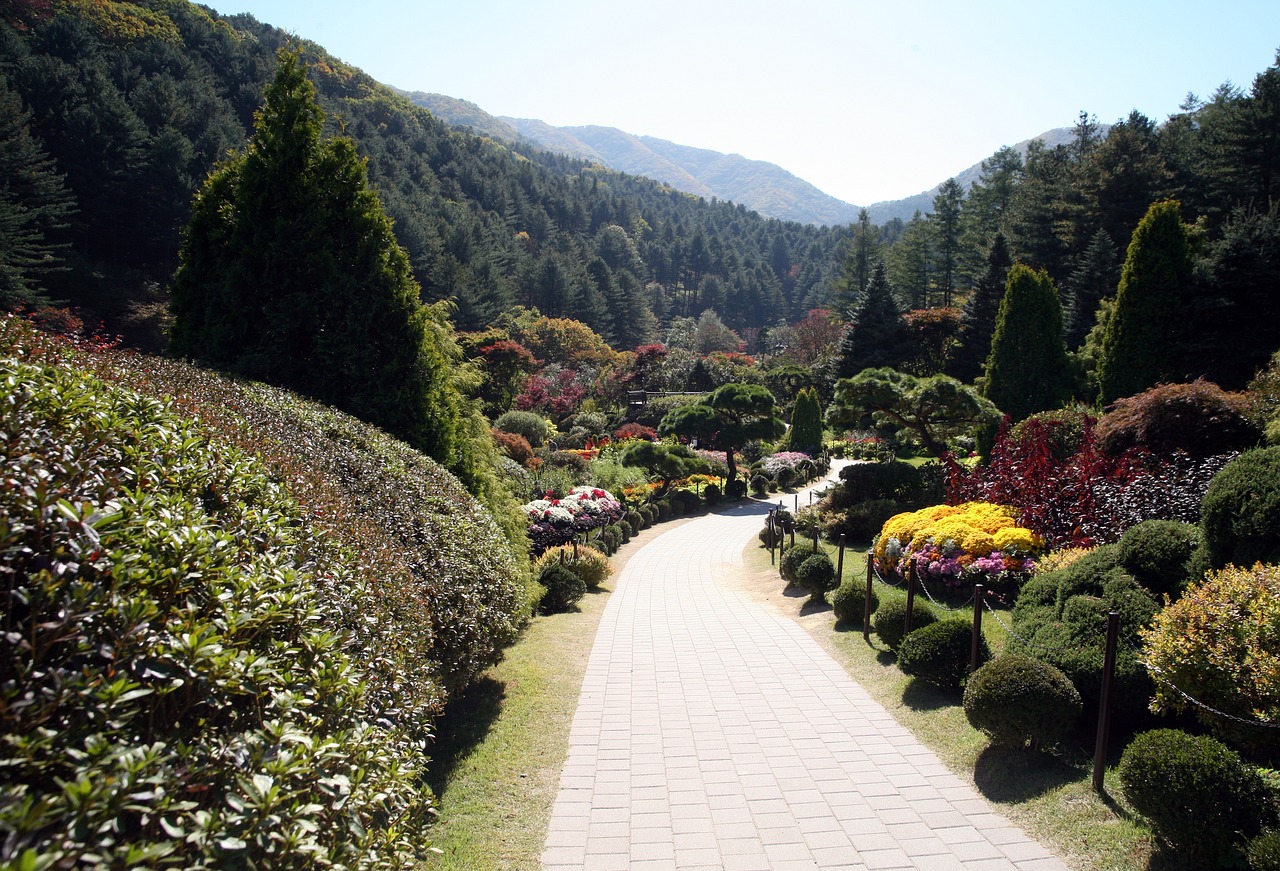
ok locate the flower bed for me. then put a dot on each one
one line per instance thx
(558, 521)
(952, 547)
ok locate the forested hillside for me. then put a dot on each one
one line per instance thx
(115, 113)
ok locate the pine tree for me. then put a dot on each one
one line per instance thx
(1093, 278)
(945, 222)
(290, 274)
(1028, 369)
(1143, 342)
(978, 316)
(875, 338)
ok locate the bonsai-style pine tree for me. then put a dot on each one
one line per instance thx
(1143, 342)
(1028, 369)
(727, 419)
(290, 274)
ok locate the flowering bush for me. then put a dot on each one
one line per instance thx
(556, 521)
(784, 460)
(958, 545)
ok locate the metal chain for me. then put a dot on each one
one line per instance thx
(1158, 675)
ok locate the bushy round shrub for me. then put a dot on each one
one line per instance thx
(586, 562)
(785, 477)
(711, 493)
(1156, 553)
(513, 445)
(1017, 700)
(849, 601)
(939, 653)
(610, 539)
(891, 618)
(735, 489)
(663, 508)
(563, 588)
(1200, 798)
(1220, 644)
(1264, 851)
(625, 530)
(1240, 513)
(862, 482)
(759, 485)
(862, 522)
(792, 557)
(1200, 419)
(635, 518)
(816, 574)
(1062, 615)
(526, 423)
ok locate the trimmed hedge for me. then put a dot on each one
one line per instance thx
(939, 653)
(1017, 700)
(1240, 513)
(891, 618)
(816, 574)
(564, 588)
(1201, 799)
(849, 601)
(1157, 552)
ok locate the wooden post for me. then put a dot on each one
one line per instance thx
(911, 597)
(815, 537)
(797, 497)
(773, 536)
(866, 607)
(977, 628)
(840, 562)
(1104, 703)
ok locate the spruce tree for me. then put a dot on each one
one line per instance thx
(1028, 369)
(1093, 279)
(1143, 343)
(290, 274)
(876, 336)
(978, 316)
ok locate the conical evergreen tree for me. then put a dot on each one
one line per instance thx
(875, 338)
(806, 422)
(1143, 343)
(978, 316)
(1028, 369)
(290, 274)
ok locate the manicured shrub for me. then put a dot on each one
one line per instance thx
(526, 423)
(578, 466)
(1240, 514)
(759, 485)
(610, 539)
(736, 489)
(1017, 700)
(586, 562)
(1220, 644)
(849, 601)
(785, 478)
(635, 431)
(1200, 419)
(940, 653)
(860, 523)
(816, 574)
(792, 557)
(1200, 798)
(664, 509)
(711, 493)
(564, 588)
(862, 482)
(890, 620)
(625, 530)
(635, 518)
(1061, 617)
(1156, 553)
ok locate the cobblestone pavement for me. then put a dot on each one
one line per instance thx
(714, 733)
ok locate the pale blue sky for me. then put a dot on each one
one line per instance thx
(866, 100)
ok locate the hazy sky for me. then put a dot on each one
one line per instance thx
(868, 101)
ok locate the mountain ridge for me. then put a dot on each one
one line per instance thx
(759, 185)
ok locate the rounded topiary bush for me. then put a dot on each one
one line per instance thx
(1200, 798)
(1240, 513)
(792, 557)
(735, 489)
(759, 485)
(635, 518)
(939, 653)
(563, 588)
(663, 507)
(891, 617)
(785, 477)
(849, 601)
(1061, 618)
(1017, 700)
(525, 423)
(895, 480)
(625, 530)
(816, 574)
(1156, 554)
(711, 493)
(861, 522)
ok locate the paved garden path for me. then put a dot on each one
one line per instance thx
(714, 733)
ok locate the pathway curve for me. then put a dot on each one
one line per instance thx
(715, 733)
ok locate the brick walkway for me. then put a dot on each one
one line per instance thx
(713, 733)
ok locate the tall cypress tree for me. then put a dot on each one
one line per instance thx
(978, 316)
(1028, 369)
(1143, 343)
(290, 274)
(806, 422)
